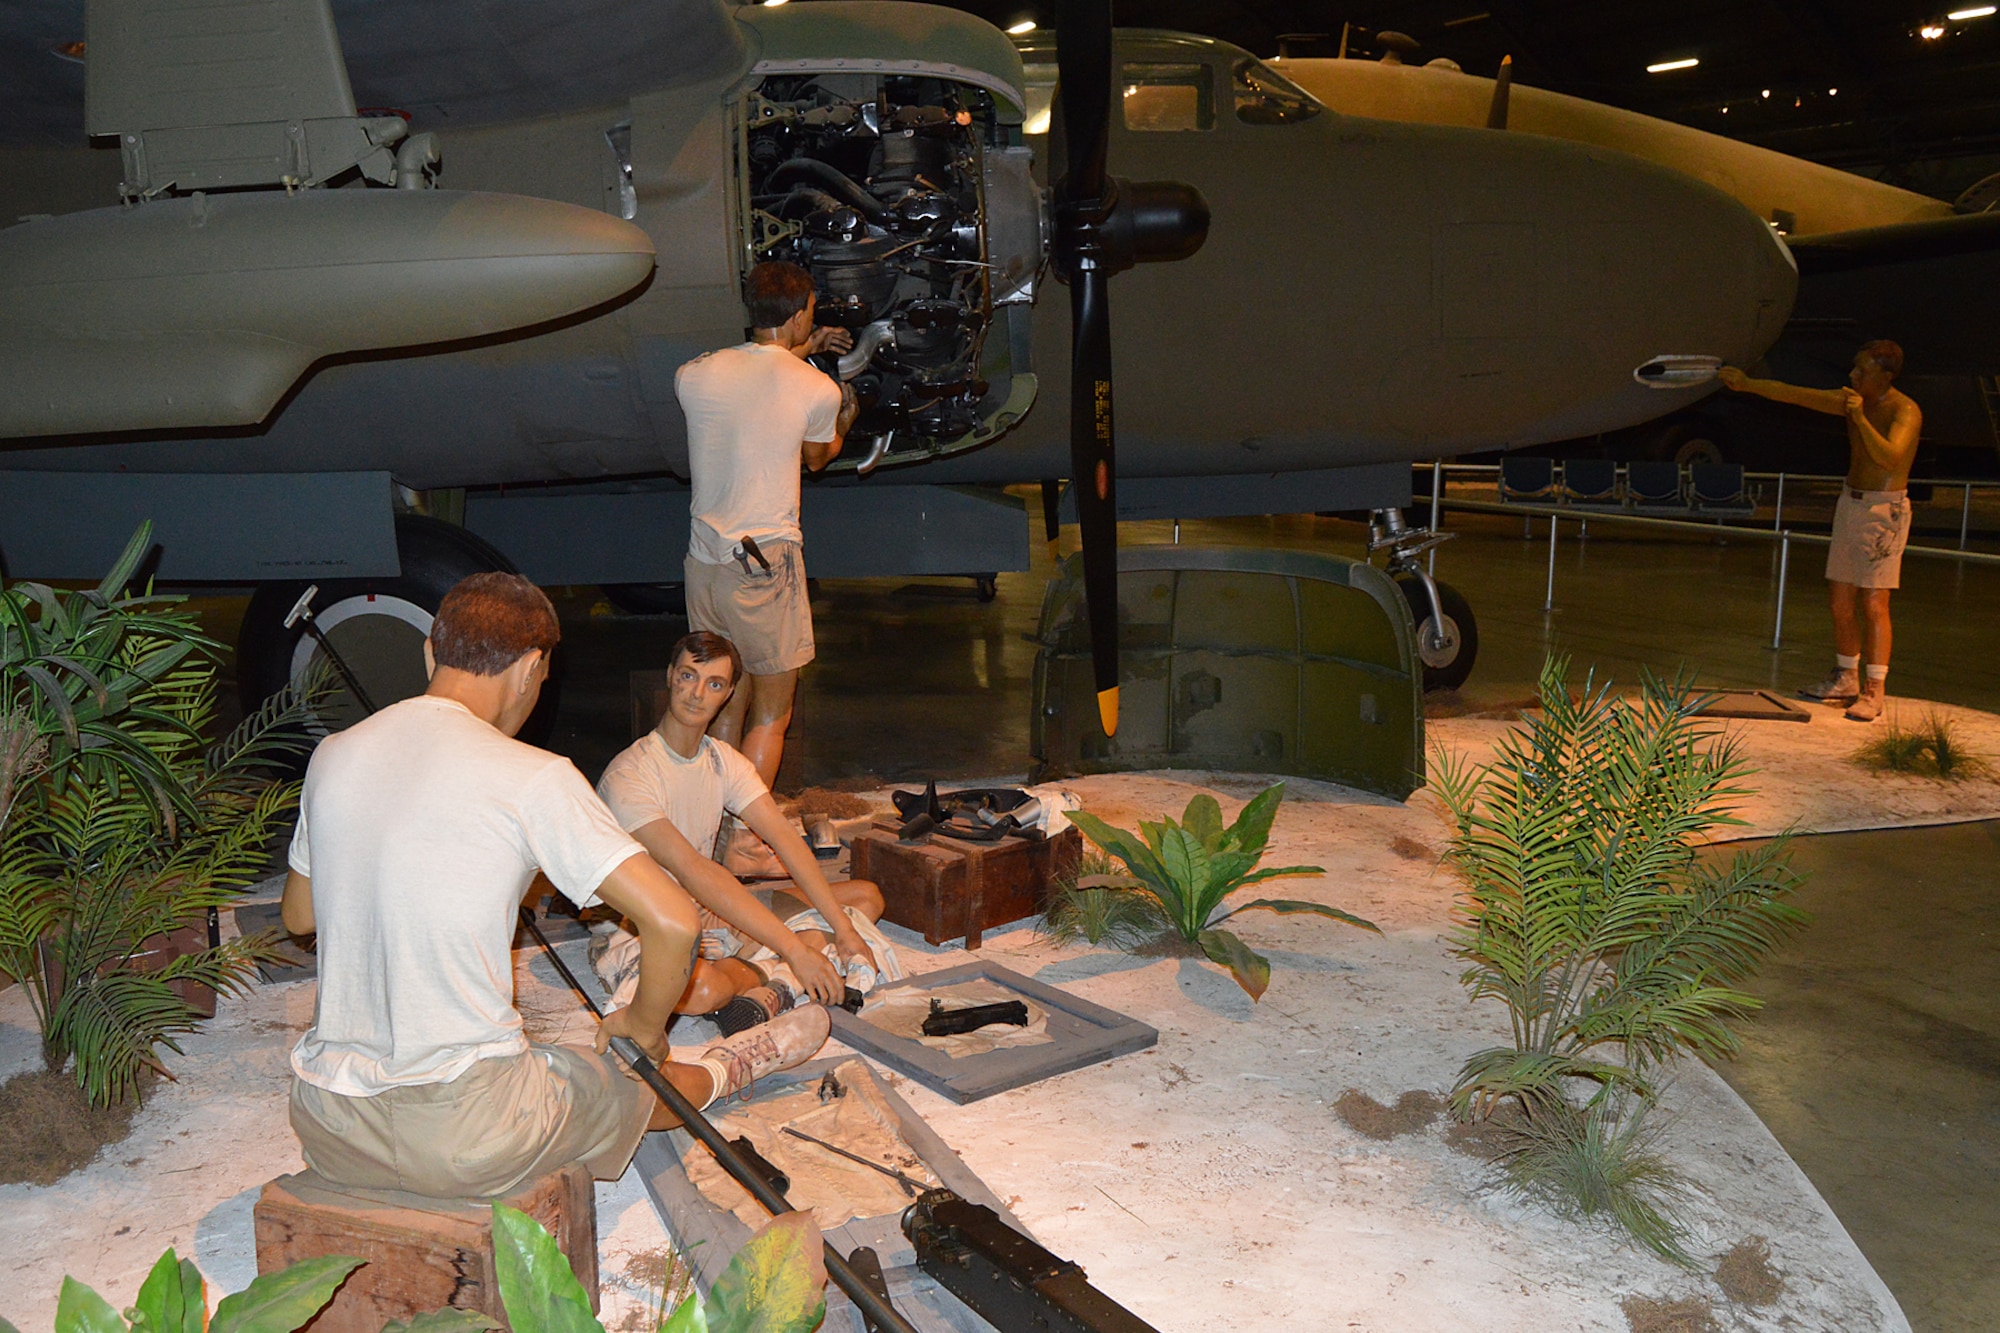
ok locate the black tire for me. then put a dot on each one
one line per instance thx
(378, 625)
(1447, 669)
(647, 599)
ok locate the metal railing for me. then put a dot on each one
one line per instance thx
(1783, 536)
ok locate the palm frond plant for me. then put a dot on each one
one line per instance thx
(1614, 947)
(78, 671)
(1191, 865)
(131, 827)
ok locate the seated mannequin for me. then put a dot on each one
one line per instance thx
(419, 830)
(670, 790)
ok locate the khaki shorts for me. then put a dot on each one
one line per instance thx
(767, 616)
(502, 1123)
(1870, 529)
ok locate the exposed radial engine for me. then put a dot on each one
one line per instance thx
(910, 203)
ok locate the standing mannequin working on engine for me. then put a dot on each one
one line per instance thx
(755, 412)
(1871, 522)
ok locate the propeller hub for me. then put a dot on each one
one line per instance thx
(1133, 222)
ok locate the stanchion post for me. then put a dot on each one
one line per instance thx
(1778, 510)
(1437, 489)
(1549, 599)
(1784, 567)
(1964, 515)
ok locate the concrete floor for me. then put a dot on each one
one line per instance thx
(1875, 1063)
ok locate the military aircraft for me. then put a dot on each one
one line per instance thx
(328, 267)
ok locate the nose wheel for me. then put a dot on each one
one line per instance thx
(1447, 633)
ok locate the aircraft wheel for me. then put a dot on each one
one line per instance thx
(647, 599)
(1446, 664)
(377, 625)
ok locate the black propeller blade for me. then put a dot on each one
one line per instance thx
(1103, 226)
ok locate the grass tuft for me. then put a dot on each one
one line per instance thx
(1598, 1161)
(1932, 749)
(1099, 914)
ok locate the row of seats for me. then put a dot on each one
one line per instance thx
(1604, 485)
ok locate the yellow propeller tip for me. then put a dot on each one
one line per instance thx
(1107, 710)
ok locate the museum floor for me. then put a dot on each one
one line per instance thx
(1875, 1065)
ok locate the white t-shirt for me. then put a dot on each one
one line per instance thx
(749, 408)
(421, 828)
(648, 781)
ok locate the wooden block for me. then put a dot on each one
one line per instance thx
(423, 1254)
(649, 699)
(947, 887)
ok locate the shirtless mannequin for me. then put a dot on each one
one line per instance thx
(1872, 521)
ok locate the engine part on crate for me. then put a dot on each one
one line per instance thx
(1008, 1280)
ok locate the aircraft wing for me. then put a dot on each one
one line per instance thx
(1931, 286)
(449, 63)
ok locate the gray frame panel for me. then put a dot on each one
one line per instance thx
(1085, 1034)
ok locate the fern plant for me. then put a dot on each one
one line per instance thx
(1588, 914)
(129, 827)
(78, 675)
(1191, 865)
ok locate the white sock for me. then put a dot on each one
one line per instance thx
(1847, 661)
(718, 1074)
(1878, 671)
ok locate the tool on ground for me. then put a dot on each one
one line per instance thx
(943, 1022)
(301, 614)
(911, 1186)
(875, 1308)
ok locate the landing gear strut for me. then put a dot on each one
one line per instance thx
(1447, 635)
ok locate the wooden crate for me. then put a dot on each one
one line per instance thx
(423, 1254)
(947, 887)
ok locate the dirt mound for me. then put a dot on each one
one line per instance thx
(1414, 1110)
(1745, 1273)
(1648, 1314)
(48, 1128)
(826, 803)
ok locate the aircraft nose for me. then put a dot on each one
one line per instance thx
(1586, 291)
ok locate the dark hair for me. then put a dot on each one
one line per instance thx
(1885, 354)
(488, 622)
(706, 646)
(775, 291)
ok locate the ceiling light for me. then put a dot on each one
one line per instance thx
(1833, 92)
(1024, 26)
(1930, 32)
(1661, 68)
(1765, 93)
(1976, 12)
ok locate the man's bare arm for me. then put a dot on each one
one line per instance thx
(1893, 452)
(818, 453)
(764, 820)
(295, 908)
(669, 930)
(1817, 400)
(723, 894)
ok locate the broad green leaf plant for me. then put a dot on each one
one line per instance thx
(1588, 914)
(1191, 865)
(775, 1284)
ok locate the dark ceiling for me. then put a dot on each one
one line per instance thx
(1851, 84)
